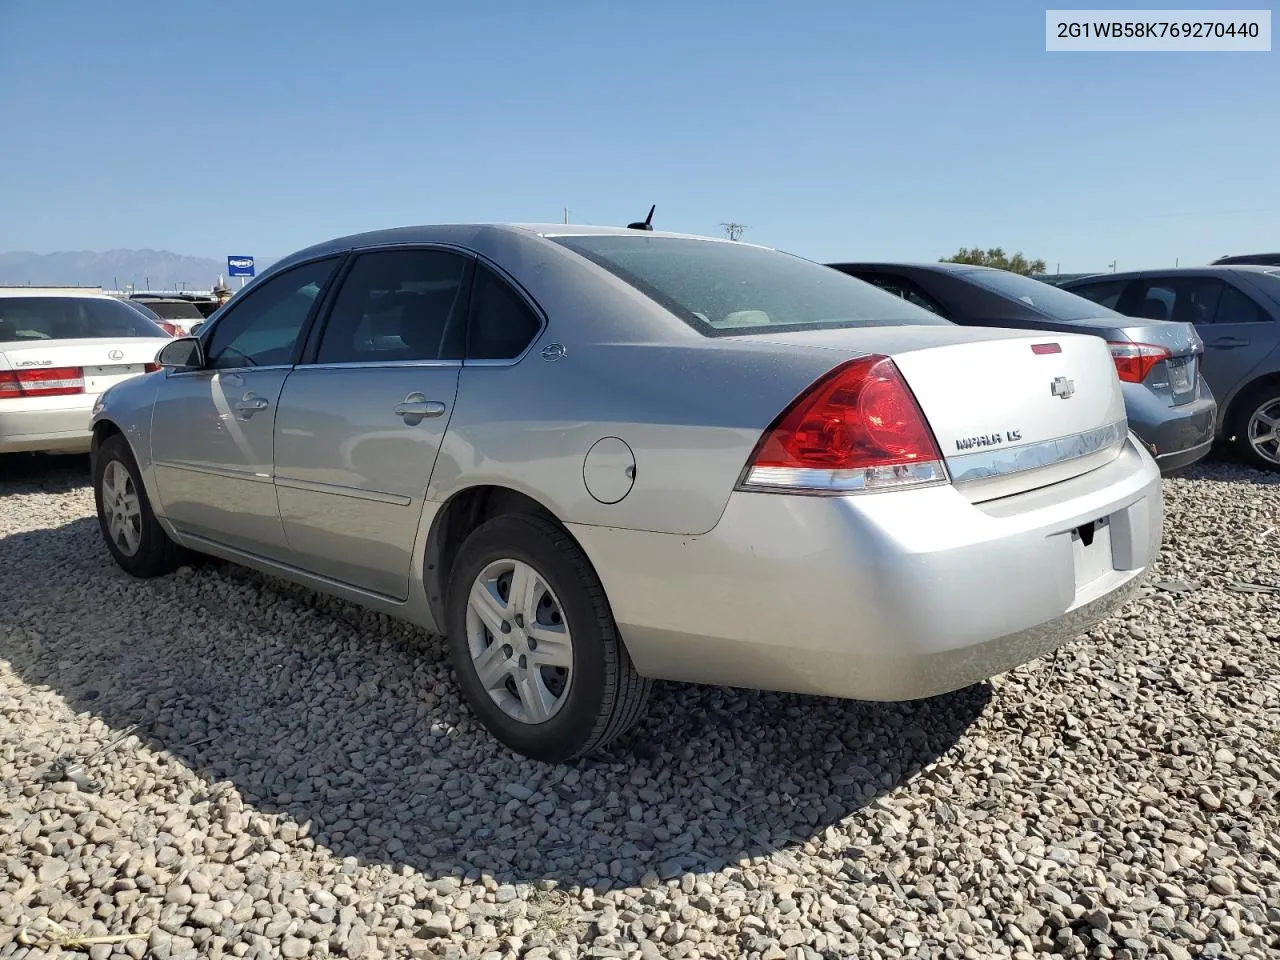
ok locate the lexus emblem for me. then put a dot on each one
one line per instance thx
(1062, 387)
(553, 352)
(116, 355)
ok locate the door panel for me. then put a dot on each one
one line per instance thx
(211, 440)
(352, 473)
(1240, 337)
(359, 430)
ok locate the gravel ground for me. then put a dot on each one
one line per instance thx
(283, 775)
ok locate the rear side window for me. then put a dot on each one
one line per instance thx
(27, 319)
(1053, 302)
(904, 288)
(501, 324)
(1182, 299)
(722, 288)
(1236, 307)
(397, 305)
(1106, 293)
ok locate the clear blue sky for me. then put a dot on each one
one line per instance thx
(832, 129)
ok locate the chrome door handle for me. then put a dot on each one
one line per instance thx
(250, 404)
(416, 407)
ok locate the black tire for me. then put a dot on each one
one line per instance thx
(605, 695)
(1242, 411)
(156, 554)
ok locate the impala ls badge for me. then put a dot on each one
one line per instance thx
(1062, 387)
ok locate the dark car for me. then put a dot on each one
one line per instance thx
(1169, 406)
(1254, 259)
(1236, 310)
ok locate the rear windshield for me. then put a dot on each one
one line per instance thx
(70, 318)
(173, 309)
(1054, 302)
(723, 288)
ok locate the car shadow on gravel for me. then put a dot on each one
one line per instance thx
(38, 473)
(348, 724)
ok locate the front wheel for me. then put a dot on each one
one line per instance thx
(1257, 426)
(129, 526)
(534, 644)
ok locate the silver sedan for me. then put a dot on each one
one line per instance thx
(594, 457)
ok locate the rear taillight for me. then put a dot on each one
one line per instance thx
(172, 329)
(1135, 360)
(150, 367)
(857, 428)
(43, 382)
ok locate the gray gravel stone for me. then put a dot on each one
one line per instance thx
(298, 777)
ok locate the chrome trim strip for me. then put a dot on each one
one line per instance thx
(225, 472)
(1001, 462)
(356, 493)
(369, 364)
(210, 371)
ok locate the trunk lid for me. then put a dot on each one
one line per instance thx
(104, 362)
(1012, 410)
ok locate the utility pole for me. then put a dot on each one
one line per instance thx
(1112, 265)
(566, 214)
(734, 231)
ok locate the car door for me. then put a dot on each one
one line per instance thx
(212, 428)
(361, 420)
(1240, 338)
(1184, 298)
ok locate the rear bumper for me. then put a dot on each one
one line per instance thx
(62, 428)
(888, 596)
(1175, 436)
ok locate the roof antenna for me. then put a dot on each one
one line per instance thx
(646, 223)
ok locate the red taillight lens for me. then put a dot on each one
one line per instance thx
(1135, 360)
(857, 428)
(42, 382)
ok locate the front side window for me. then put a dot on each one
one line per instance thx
(262, 330)
(1182, 299)
(500, 324)
(398, 305)
(28, 319)
(722, 288)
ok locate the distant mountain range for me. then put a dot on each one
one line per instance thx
(114, 269)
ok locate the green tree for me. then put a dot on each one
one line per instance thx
(996, 257)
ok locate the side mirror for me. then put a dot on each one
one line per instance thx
(196, 327)
(184, 353)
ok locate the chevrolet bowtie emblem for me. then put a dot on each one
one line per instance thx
(1062, 387)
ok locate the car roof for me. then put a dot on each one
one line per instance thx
(1211, 270)
(461, 232)
(911, 265)
(51, 292)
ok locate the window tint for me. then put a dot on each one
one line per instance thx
(71, 318)
(1053, 302)
(173, 309)
(501, 324)
(1236, 307)
(904, 288)
(397, 305)
(1106, 293)
(722, 288)
(262, 329)
(1183, 299)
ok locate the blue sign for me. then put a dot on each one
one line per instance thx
(239, 266)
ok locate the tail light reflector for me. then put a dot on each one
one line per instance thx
(857, 428)
(1135, 360)
(41, 382)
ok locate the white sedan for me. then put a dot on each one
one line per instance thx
(58, 352)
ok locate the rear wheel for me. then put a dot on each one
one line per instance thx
(534, 644)
(1256, 426)
(129, 526)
